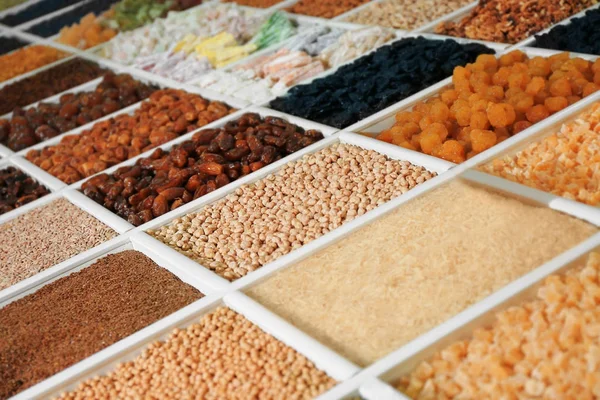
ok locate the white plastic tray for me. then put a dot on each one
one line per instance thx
(307, 20)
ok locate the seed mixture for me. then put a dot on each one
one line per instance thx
(305, 200)
(564, 163)
(492, 100)
(510, 21)
(44, 237)
(405, 14)
(78, 315)
(545, 348)
(420, 265)
(252, 364)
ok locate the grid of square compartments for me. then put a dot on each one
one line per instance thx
(263, 200)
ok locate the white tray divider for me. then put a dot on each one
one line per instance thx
(325, 359)
(206, 280)
(329, 134)
(91, 207)
(579, 210)
(38, 174)
(406, 358)
(374, 389)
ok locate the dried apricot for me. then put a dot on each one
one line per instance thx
(482, 139)
(501, 115)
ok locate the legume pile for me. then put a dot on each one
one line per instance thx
(543, 348)
(283, 212)
(44, 237)
(210, 160)
(78, 315)
(166, 115)
(492, 100)
(252, 364)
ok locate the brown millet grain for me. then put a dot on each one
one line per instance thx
(224, 356)
(78, 315)
(305, 200)
(44, 237)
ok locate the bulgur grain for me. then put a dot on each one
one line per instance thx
(44, 237)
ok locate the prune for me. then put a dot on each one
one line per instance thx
(580, 35)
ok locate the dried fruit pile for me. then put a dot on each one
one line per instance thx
(49, 82)
(546, 348)
(18, 189)
(47, 120)
(27, 59)
(564, 163)
(307, 55)
(510, 21)
(210, 160)
(166, 115)
(580, 35)
(491, 100)
(375, 81)
(251, 364)
(283, 212)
